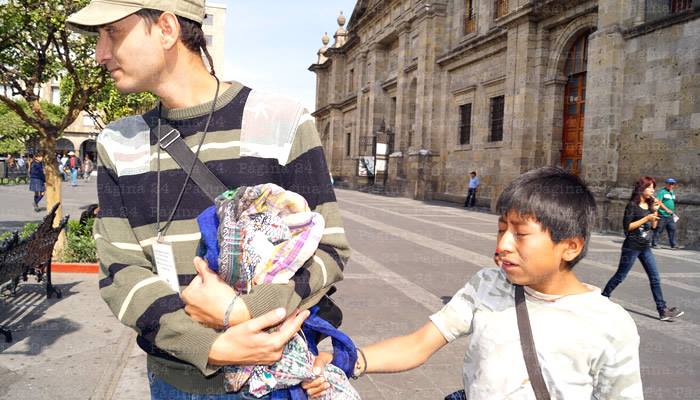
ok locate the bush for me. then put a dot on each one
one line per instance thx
(80, 245)
(26, 231)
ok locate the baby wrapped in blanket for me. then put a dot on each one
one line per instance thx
(265, 234)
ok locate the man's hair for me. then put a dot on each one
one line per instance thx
(191, 33)
(558, 200)
(473, 172)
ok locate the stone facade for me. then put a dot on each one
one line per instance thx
(406, 66)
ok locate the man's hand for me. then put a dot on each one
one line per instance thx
(248, 343)
(318, 386)
(207, 297)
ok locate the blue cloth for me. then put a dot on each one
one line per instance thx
(37, 171)
(627, 259)
(74, 176)
(344, 351)
(36, 185)
(474, 182)
(209, 244)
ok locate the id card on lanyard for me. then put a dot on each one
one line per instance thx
(165, 263)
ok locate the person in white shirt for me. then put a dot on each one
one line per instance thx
(587, 346)
(471, 192)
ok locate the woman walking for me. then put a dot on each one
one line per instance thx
(640, 219)
(37, 179)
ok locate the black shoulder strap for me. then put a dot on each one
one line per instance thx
(172, 143)
(528, 345)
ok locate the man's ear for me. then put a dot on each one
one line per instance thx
(573, 247)
(169, 29)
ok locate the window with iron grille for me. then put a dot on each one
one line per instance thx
(501, 8)
(657, 9)
(496, 133)
(465, 120)
(470, 17)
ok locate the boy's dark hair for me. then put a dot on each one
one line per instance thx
(558, 200)
(191, 33)
(473, 173)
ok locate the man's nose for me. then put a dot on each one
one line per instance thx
(102, 53)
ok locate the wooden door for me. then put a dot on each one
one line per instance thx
(574, 106)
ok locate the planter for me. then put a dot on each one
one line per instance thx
(82, 268)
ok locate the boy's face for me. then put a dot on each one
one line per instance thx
(527, 253)
(131, 52)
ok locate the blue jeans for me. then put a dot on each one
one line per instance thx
(627, 259)
(160, 390)
(74, 176)
(670, 226)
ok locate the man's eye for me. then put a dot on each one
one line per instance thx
(520, 234)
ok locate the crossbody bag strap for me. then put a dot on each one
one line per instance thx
(528, 346)
(173, 144)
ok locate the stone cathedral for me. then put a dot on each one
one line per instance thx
(412, 95)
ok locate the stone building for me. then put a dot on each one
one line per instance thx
(415, 94)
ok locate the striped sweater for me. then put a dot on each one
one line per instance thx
(253, 139)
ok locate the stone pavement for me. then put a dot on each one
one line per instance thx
(17, 208)
(409, 258)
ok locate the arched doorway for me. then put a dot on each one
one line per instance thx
(89, 148)
(63, 146)
(574, 105)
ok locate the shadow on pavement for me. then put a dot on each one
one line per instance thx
(30, 305)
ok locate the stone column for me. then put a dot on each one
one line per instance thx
(604, 100)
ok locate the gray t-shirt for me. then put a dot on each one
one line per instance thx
(587, 346)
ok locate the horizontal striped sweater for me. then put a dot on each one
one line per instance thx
(253, 138)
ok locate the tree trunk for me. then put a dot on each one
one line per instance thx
(53, 185)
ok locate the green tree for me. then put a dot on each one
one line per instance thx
(36, 48)
(15, 133)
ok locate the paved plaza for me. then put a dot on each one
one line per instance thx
(408, 258)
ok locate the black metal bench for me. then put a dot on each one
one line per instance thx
(20, 258)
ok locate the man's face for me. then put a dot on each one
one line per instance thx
(527, 253)
(670, 186)
(131, 52)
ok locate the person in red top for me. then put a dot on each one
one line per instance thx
(75, 167)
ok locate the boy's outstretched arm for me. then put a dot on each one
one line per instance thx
(397, 354)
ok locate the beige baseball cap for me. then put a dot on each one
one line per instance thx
(102, 12)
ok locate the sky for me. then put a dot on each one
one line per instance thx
(270, 47)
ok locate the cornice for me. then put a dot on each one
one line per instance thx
(464, 49)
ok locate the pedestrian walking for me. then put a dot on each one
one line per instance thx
(667, 214)
(640, 218)
(37, 179)
(147, 234)
(88, 167)
(471, 191)
(75, 166)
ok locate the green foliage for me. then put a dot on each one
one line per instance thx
(80, 245)
(108, 104)
(37, 48)
(26, 231)
(14, 132)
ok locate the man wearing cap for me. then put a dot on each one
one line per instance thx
(146, 231)
(667, 207)
(74, 165)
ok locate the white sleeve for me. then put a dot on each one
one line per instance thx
(455, 318)
(620, 377)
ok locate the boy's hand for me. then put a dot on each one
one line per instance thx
(248, 343)
(318, 386)
(207, 296)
